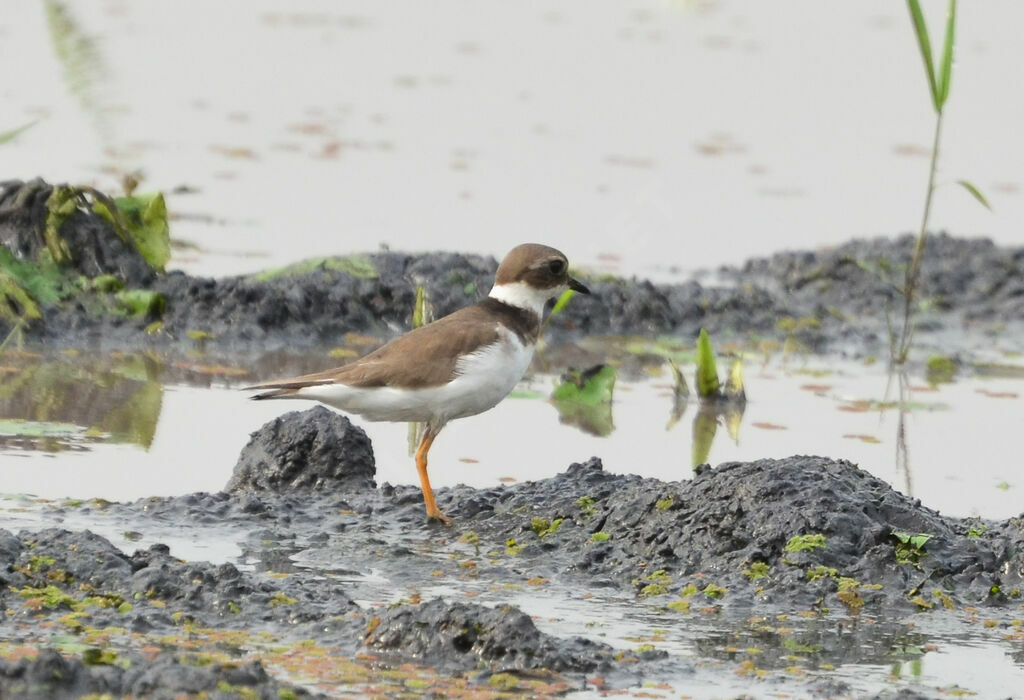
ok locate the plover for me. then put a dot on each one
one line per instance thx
(457, 366)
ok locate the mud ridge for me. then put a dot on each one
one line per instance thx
(835, 299)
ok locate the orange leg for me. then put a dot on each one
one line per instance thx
(421, 465)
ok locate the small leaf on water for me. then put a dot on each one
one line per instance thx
(975, 192)
(707, 371)
(769, 426)
(592, 386)
(584, 399)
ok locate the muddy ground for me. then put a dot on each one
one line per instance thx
(746, 543)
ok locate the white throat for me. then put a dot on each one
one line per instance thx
(523, 296)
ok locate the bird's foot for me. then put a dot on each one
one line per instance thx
(436, 514)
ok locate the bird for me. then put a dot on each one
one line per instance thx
(460, 365)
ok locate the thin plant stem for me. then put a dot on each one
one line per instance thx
(900, 352)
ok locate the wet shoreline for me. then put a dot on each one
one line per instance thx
(813, 537)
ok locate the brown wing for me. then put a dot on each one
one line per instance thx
(421, 358)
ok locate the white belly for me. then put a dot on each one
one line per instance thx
(482, 380)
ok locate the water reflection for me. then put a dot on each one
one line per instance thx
(66, 403)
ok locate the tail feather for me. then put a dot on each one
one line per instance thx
(273, 394)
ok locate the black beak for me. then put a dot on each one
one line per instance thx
(577, 286)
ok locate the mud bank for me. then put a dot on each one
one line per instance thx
(829, 300)
(742, 542)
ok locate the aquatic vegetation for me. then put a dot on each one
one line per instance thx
(805, 543)
(714, 591)
(544, 527)
(144, 219)
(817, 572)
(758, 569)
(586, 504)
(940, 369)
(910, 547)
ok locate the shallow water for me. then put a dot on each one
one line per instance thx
(178, 438)
(641, 137)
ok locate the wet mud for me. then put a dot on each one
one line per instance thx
(346, 587)
(744, 542)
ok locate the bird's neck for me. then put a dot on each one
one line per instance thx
(522, 296)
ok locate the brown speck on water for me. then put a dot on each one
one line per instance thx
(769, 426)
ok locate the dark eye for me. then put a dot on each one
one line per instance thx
(557, 267)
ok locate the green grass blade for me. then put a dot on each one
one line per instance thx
(419, 311)
(975, 192)
(925, 44)
(946, 68)
(562, 302)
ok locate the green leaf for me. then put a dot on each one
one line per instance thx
(145, 217)
(915, 540)
(925, 44)
(6, 136)
(141, 303)
(946, 68)
(707, 371)
(584, 399)
(592, 387)
(975, 192)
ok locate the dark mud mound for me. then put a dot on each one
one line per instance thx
(797, 531)
(862, 277)
(80, 583)
(317, 449)
(457, 635)
(51, 676)
(61, 570)
(316, 304)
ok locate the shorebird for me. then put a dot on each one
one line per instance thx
(460, 365)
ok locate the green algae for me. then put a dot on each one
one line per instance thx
(360, 266)
(805, 543)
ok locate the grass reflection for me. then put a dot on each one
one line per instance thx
(66, 403)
